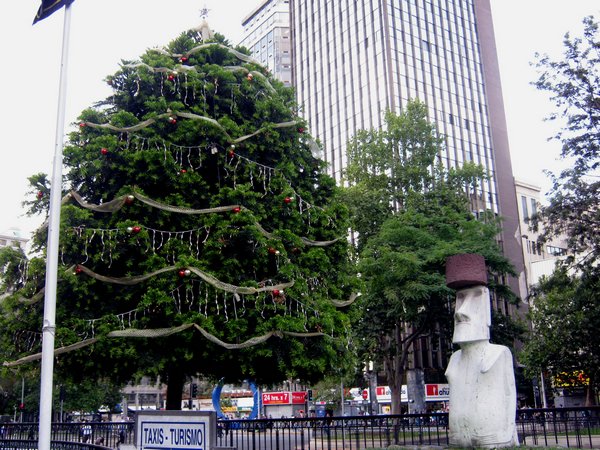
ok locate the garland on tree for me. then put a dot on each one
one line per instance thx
(224, 197)
(163, 332)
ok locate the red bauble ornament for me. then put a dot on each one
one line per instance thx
(135, 229)
(231, 153)
(183, 171)
(300, 130)
(129, 199)
(237, 209)
(104, 151)
(40, 194)
(288, 200)
(273, 251)
(181, 273)
(78, 270)
(276, 292)
(170, 77)
(172, 120)
(183, 59)
(82, 125)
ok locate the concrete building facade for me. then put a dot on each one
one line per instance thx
(13, 238)
(540, 259)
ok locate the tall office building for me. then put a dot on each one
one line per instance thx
(353, 60)
(267, 36)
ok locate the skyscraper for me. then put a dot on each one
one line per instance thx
(353, 60)
(267, 36)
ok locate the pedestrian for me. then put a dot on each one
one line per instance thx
(86, 431)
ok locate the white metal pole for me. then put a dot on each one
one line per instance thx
(22, 398)
(48, 327)
(342, 396)
(543, 389)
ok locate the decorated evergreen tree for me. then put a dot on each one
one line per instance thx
(199, 234)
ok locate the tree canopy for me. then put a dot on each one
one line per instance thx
(199, 234)
(565, 320)
(424, 218)
(564, 309)
(572, 81)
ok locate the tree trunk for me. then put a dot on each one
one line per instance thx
(396, 396)
(175, 381)
(398, 368)
(590, 398)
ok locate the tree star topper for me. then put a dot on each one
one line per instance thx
(204, 12)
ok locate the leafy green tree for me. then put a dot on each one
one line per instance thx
(199, 236)
(565, 320)
(425, 218)
(12, 261)
(564, 304)
(329, 391)
(572, 82)
(387, 166)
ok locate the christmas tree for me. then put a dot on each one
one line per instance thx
(199, 233)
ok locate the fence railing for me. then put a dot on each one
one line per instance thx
(564, 427)
(69, 435)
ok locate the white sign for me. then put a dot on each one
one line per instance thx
(170, 430)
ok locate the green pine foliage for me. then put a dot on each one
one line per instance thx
(168, 133)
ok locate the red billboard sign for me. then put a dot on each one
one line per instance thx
(276, 398)
(284, 398)
(298, 398)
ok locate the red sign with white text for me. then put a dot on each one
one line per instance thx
(284, 398)
(276, 398)
(298, 398)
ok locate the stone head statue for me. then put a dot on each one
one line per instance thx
(480, 375)
(472, 316)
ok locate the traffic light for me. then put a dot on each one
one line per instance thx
(309, 395)
(194, 390)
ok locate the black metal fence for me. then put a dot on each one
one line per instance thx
(69, 435)
(564, 427)
(348, 433)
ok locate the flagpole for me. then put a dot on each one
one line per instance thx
(49, 326)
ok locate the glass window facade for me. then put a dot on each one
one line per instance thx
(353, 60)
(350, 61)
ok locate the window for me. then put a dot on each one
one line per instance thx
(524, 205)
(533, 207)
(555, 251)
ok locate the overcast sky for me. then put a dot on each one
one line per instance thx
(104, 32)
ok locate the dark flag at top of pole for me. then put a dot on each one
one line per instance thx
(49, 7)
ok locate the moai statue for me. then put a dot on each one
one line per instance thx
(480, 375)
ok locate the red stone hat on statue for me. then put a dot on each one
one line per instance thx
(465, 270)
